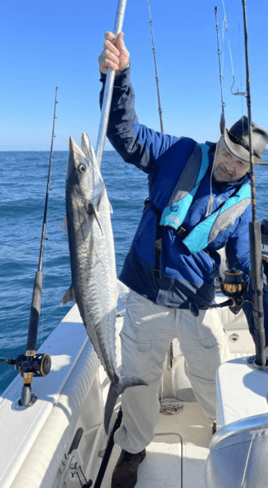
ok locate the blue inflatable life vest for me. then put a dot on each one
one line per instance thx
(207, 230)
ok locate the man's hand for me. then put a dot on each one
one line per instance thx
(114, 55)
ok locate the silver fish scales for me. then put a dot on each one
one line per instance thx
(92, 259)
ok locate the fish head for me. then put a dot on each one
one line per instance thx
(78, 168)
(84, 182)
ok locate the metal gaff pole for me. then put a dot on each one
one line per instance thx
(107, 97)
(254, 232)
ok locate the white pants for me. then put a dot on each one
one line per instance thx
(146, 335)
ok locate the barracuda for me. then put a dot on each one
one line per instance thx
(92, 259)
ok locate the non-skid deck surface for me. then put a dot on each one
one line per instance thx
(162, 465)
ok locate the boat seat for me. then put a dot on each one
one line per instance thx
(238, 451)
(241, 391)
(238, 455)
(239, 339)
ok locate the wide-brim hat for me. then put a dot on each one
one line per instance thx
(237, 140)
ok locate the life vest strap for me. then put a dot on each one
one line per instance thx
(158, 238)
(181, 231)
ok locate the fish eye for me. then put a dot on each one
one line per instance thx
(82, 168)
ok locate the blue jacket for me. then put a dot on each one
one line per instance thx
(185, 277)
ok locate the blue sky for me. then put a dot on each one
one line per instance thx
(56, 43)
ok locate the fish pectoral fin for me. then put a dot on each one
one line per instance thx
(92, 210)
(69, 296)
(99, 224)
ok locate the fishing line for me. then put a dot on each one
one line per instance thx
(226, 29)
(222, 119)
(240, 57)
(65, 139)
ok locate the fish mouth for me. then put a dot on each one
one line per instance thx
(71, 163)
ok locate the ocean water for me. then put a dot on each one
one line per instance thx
(22, 198)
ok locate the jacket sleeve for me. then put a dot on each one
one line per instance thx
(238, 255)
(136, 143)
(237, 248)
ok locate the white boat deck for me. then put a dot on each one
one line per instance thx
(37, 440)
(162, 465)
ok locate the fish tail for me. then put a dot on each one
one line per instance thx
(115, 390)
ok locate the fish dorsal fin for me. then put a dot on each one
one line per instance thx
(87, 148)
(69, 296)
(85, 143)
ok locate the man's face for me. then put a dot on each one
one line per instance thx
(227, 167)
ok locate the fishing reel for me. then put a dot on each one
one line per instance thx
(38, 365)
(234, 287)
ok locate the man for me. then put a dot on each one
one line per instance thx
(199, 201)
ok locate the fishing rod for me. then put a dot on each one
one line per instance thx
(31, 364)
(254, 229)
(223, 105)
(254, 226)
(155, 69)
(234, 286)
(108, 90)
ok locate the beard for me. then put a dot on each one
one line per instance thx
(221, 175)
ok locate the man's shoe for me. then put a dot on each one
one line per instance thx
(125, 471)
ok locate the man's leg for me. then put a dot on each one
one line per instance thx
(145, 338)
(204, 345)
